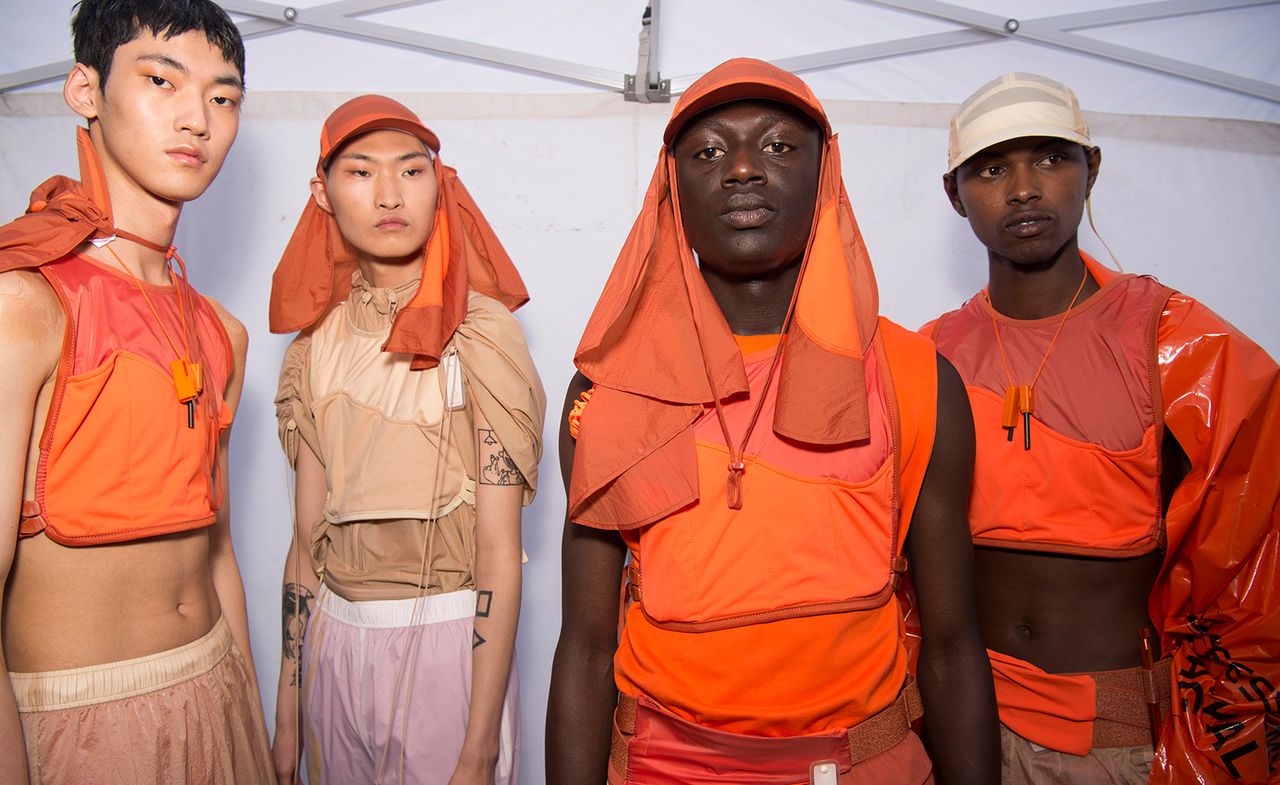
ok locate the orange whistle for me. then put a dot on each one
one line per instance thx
(1012, 398)
(186, 379)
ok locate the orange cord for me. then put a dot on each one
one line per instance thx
(1025, 396)
(186, 340)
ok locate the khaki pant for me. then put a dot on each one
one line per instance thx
(186, 716)
(1025, 763)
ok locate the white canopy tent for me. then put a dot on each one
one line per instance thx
(1183, 96)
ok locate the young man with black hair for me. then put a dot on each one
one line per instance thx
(411, 412)
(125, 632)
(1125, 487)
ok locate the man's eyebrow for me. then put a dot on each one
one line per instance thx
(412, 155)
(164, 60)
(230, 80)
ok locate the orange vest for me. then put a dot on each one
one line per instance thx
(740, 616)
(1090, 484)
(117, 460)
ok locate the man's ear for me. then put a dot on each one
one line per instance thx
(321, 194)
(1094, 157)
(953, 193)
(82, 91)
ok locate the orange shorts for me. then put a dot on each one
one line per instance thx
(187, 715)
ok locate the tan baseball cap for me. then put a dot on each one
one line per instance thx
(1013, 106)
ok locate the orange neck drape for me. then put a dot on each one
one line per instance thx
(657, 341)
(462, 253)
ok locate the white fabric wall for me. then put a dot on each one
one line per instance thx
(560, 172)
(561, 177)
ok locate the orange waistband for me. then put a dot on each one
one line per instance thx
(1075, 712)
(776, 756)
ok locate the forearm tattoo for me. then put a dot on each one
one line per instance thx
(484, 605)
(294, 617)
(496, 467)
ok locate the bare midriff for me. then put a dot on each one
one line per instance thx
(1065, 614)
(72, 607)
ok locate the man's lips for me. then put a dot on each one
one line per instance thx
(186, 154)
(745, 212)
(392, 223)
(1028, 224)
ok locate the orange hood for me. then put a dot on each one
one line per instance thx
(62, 214)
(658, 332)
(462, 252)
(657, 346)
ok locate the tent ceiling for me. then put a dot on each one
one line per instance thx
(1226, 61)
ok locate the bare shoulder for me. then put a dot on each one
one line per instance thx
(31, 323)
(235, 331)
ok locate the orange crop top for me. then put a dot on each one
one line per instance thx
(1090, 484)
(117, 460)
(775, 619)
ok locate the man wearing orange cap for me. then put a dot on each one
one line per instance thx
(1125, 485)
(760, 442)
(125, 633)
(412, 413)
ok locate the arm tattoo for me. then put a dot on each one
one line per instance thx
(476, 640)
(484, 601)
(496, 467)
(296, 613)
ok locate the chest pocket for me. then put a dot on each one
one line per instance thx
(799, 546)
(122, 463)
(1062, 495)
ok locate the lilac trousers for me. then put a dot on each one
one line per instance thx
(386, 690)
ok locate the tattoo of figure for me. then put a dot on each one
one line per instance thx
(296, 612)
(484, 601)
(496, 467)
(476, 640)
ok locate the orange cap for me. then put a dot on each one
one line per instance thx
(461, 253)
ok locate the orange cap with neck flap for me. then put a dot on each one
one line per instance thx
(658, 332)
(658, 343)
(461, 253)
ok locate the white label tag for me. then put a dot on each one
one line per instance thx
(454, 395)
(99, 242)
(824, 773)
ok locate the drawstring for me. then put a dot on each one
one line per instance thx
(410, 656)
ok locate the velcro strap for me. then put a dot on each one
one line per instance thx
(887, 727)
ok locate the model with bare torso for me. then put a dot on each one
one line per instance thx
(120, 568)
(1089, 507)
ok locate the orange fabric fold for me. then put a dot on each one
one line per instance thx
(61, 214)
(463, 252)
(657, 347)
(1054, 710)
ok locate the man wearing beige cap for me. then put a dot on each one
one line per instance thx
(1124, 505)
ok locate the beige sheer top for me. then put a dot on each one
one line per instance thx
(399, 446)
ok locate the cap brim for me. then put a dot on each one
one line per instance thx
(742, 91)
(1017, 132)
(402, 124)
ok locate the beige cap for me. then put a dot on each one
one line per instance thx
(1013, 106)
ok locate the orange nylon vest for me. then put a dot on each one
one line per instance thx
(117, 460)
(1090, 484)
(819, 537)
